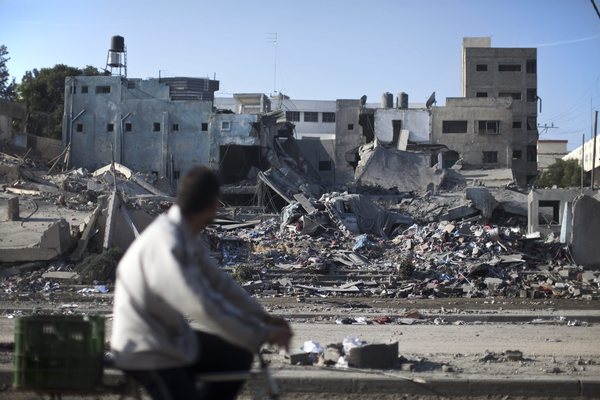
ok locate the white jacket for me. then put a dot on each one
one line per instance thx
(167, 274)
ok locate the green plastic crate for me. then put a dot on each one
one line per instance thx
(58, 352)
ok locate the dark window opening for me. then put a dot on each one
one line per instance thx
(84, 89)
(127, 126)
(79, 128)
(396, 128)
(310, 116)
(549, 212)
(238, 163)
(130, 84)
(110, 127)
(175, 128)
(481, 67)
(102, 89)
(449, 158)
(454, 126)
(204, 126)
(350, 127)
(517, 154)
(176, 174)
(293, 116)
(517, 124)
(531, 153)
(489, 127)
(328, 117)
(513, 95)
(156, 127)
(490, 157)
(531, 123)
(531, 66)
(509, 67)
(531, 95)
(481, 94)
(324, 165)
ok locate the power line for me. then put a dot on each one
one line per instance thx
(595, 8)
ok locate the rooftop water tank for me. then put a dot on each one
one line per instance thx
(387, 100)
(117, 43)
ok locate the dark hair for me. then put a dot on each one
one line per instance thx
(198, 190)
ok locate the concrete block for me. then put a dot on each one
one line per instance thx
(584, 241)
(302, 358)
(482, 200)
(12, 209)
(459, 212)
(381, 356)
(61, 275)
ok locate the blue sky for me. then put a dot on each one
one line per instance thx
(326, 49)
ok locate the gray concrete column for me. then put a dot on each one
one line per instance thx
(12, 209)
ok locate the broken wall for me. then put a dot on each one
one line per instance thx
(348, 138)
(416, 121)
(586, 231)
(320, 155)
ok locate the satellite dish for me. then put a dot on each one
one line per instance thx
(430, 101)
(363, 100)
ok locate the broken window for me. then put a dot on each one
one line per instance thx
(454, 126)
(156, 127)
(84, 89)
(531, 67)
(509, 67)
(531, 95)
(204, 126)
(490, 157)
(517, 154)
(531, 123)
(350, 127)
(517, 124)
(325, 165)
(328, 117)
(127, 126)
(513, 95)
(102, 89)
(175, 128)
(549, 211)
(110, 127)
(488, 127)
(481, 94)
(292, 115)
(532, 153)
(311, 116)
(79, 127)
(225, 125)
(481, 67)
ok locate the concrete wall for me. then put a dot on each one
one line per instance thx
(417, 122)
(586, 251)
(142, 103)
(471, 144)
(548, 151)
(347, 140)
(315, 151)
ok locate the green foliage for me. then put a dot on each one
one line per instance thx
(8, 88)
(43, 91)
(99, 267)
(563, 174)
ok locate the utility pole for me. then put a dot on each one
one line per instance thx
(582, 146)
(594, 146)
(272, 38)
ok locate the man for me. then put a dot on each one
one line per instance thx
(166, 276)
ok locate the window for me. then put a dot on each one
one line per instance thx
(532, 153)
(531, 95)
(110, 127)
(204, 126)
(84, 89)
(311, 116)
(175, 127)
(490, 157)
(324, 165)
(454, 126)
(514, 95)
(292, 115)
(130, 84)
(328, 117)
(481, 67)
(481, 94)
(79, 128)
(225, 125)
(489, 127)
(156, 127)
(350, 127)
(517, 124)
(509, 67)
(531, 67)
(102, 89)
(531, 123)
(517, 154)
(127, 126)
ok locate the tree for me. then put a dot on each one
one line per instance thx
(563, 174)
(7, 87)
(44, 91)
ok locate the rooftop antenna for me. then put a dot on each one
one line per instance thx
(272, 38)
(116, 58)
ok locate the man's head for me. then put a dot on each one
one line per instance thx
(198, 197)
